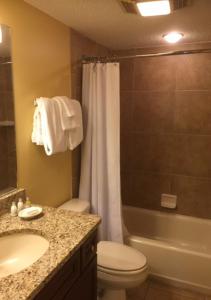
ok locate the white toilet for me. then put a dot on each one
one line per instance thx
(119, 267)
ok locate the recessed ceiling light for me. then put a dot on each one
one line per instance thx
(154, 8)
(173, 37)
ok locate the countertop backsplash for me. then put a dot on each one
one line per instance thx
(6, 199)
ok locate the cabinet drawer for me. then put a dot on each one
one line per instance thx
(61, 283)
(88, 250)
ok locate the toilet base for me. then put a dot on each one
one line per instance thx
(107, 294)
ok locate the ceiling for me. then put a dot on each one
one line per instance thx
(105, 22)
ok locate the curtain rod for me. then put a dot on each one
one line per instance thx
(89, 59)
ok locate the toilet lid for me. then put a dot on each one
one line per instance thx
(115, 256)
(76, 205)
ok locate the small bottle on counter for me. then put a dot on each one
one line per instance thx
(28, 202)
(13, 210)
(20, 204)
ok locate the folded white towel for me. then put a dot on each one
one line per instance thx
(54, 138)
(76, 132)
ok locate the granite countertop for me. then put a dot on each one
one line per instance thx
(65, 232)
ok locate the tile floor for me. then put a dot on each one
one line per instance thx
(154, 290)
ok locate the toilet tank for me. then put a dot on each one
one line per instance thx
(76, 205)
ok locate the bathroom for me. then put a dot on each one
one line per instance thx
(164, 129)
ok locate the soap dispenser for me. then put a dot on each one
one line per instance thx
(20, 204)
(28, 202)
(13, 210)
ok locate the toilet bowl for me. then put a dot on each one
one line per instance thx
(119, 267)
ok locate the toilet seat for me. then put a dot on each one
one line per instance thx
(121, 273)
(115, 258)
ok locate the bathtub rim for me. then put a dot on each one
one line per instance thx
(162, 244)
(169, 214)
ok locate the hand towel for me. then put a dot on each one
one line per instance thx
(76, 132)
(71, 119)
(37, 129)
(67, 112)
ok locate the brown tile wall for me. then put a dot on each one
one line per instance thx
(80, 46)
(166, 132)
(8, 167)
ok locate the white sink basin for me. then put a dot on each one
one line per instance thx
(20, 250)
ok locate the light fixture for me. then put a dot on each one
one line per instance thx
(173, 37)
(154, 8)
(0, 34)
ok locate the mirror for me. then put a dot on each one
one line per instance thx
(8, 167)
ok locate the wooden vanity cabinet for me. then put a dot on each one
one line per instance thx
(86, 286)
(77, 279)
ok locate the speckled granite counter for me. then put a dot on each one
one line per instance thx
(65, 232)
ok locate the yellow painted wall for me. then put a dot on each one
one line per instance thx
(41, 67)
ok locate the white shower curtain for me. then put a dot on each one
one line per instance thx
(100, 165)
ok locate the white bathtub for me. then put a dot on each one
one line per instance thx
(178, 248)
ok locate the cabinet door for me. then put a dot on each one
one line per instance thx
(62, 281)
(86, 286)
